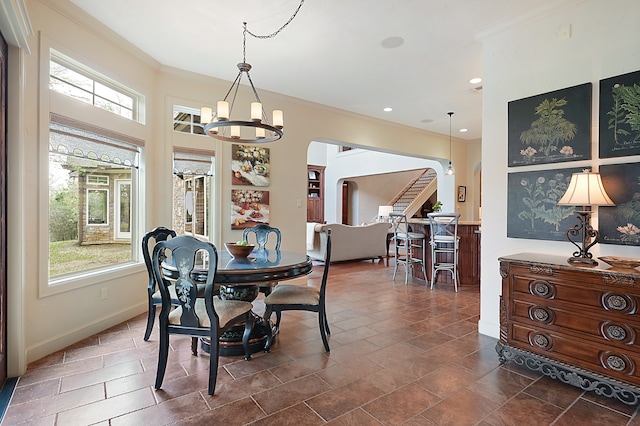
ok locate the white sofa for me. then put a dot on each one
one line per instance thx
(348, 242)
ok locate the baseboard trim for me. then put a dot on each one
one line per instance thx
(58, 342)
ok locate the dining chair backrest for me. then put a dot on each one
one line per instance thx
(158, 234)
(443, 226)
(399, 223)
(262, 233)
(186, 254)
(149, 240)
(325, 273)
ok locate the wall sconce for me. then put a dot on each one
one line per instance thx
(586, 190)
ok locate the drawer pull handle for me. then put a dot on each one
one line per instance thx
(616, 363)
(616, 332)
(541, 314)
(540, 340)
(619, 332)
(541, 289)
(618, 302)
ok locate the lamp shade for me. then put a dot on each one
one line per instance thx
(585, 189)
(383, 211)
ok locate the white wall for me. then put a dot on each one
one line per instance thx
(530, 58)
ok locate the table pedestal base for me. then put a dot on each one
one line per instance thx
(231, 340)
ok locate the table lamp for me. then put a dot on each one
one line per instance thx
(586, 190)
(383, 212)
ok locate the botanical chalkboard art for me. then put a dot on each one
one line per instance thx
(620, 115)
(621, 224)
(551, 128)
(532, 205)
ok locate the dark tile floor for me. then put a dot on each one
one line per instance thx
(400, 354)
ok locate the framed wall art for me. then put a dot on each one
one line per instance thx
(462, 194)
(249, 207)
(532, 205)
(620, 224)
(550, 128)
(250, 165)
(619, 115)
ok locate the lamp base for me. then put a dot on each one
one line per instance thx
(587, 238)
(582, 260)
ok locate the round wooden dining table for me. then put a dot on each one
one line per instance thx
(240, 279)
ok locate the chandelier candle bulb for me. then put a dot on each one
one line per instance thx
(223, 110)
(235, 132)
(260, 133)
(278, 119)
(206, 115)
(256, 111)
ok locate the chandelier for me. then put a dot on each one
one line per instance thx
(223, 126)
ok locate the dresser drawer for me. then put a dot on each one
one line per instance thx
(599, 358)
(614, 299)
(620, 331)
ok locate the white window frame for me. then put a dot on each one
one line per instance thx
(54, 102)
(73, 65)
(193, 112)
(106, 191)
(118, 183)
(98, 180)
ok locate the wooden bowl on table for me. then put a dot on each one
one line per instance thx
(237, 251)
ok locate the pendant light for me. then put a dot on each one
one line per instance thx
(450, 170)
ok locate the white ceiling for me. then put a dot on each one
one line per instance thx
(332, 52)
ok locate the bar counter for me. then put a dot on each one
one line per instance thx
(469, 256)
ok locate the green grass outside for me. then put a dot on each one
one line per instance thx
(67, 256)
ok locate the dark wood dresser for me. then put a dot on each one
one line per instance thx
(578, 324)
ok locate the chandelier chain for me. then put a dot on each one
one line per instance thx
(273, 34)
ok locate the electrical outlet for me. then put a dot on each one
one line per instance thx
(103, 293)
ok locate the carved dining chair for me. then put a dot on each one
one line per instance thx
(155, 236)
(203, 317)
(289, 297)
(409, 246)
(261, 234)
(445, 245)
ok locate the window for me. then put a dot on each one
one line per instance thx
(192, 187)
(93, 175)
(97, 206)
(187, 120)
(97, 180)
(75, 80)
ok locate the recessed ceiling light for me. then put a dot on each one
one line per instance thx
(464, 130)
(475, 80)
(426, 120)
(388, 109)
(392, 42)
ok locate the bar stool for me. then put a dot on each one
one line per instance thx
(445, 245)
(406, 245)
